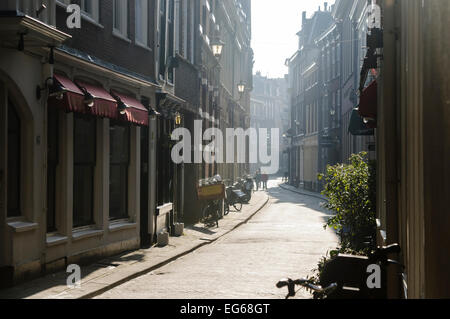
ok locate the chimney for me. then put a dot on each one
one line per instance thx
(303, 17)
(325, 5)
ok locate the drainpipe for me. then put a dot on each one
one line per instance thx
(41, 141)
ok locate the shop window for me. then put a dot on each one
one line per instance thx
(14, 162)
(52, 164)
(84, 148)
(119, 164)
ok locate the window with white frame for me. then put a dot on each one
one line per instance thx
(162, 36)
(192, 32)
(141, 22)
(166, 39)
(184, 40)
(171, 36)
(91, 8)
(120, 17)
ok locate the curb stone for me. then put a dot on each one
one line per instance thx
(171, 259)
(283, 186)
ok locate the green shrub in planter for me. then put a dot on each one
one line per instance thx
(350, 189)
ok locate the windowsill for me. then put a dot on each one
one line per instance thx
(120, 36)
(121, 225)
(86, 233)
(61, 4)
(143, 46)
(91, 20)
(56, 239)
(163, 82)
(21, 227)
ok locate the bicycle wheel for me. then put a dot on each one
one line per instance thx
(210, 215)
(206, 215)
(217, 216)
(226, 208)
(238, 206)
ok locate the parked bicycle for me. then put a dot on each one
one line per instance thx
(212, 191)
(345, 276)
(234, 198)
(249, 185)
(241, 185)
(211, 213)
(305, 283)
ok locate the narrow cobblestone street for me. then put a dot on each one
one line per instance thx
(286, 238)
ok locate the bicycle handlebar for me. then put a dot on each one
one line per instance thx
(304, 283)
(381, 253)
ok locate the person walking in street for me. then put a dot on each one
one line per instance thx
(264, 178)
(258, 179)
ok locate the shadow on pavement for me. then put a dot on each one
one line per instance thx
(281, 195)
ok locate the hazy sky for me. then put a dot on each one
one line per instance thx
(275, 24)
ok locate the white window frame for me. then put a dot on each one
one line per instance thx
(122, 31)
(93, 10)
(141, 25)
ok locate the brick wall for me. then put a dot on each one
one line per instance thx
(99, 41)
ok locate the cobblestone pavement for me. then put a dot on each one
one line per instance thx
(285, 239)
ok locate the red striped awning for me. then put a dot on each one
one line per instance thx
(368, 101)
(104, 104)
(368, 104)
(135, 112)
(73, 97)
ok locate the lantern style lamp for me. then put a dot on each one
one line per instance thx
(89, 100)
(217, 47)
(178, 118)
(122, 107)
(241, 87)
(55, 89)
(153, 113)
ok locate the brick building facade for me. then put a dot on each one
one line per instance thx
(86, 117)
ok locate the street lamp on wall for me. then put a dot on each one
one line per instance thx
(153, 113)
(89, 99)
(55, 89)
(178, 118)
(122, 107)
(217, 47)
(241, 87)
